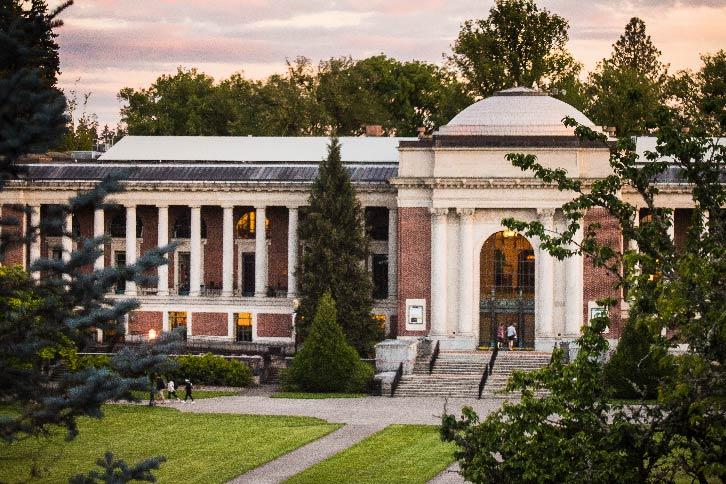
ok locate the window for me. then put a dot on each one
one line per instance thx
(119, 261)
(117, 227)
(380, 276)
(243, 323)
(247, 225)
(381, 320)
(183, 228)
(377, 222)
(177, 319)
(56, 253)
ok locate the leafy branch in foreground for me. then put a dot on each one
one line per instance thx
(118, 472)
(567, 428)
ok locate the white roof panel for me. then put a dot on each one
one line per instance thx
(251, 149)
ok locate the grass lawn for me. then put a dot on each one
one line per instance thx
(197, 394)
(203, 448)
(398, 453)
(316, 396)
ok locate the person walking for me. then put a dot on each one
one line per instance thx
(160, 389)
(171, 390)
(511, 335)
(188, 390)
(500, 335)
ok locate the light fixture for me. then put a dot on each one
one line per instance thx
(152, 334)
(508, 233)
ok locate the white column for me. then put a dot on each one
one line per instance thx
(392, 252)
(227, 250)
(466, 270)
(574, 290)
(195, 251)
(98, 226)
(66, 239)
(672, 226)
(632, 244)
(545, 286)
(292, 218)
(35, 242)
(260, 253)
(162, 234)
(130, 245)
(438, 271)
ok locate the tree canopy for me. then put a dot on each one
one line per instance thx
(518, 44)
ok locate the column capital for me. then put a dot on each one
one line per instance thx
(438, 211)
(128, 205)
(161, 205)
(293, 207)
(260, 206)
(196, 205)
(465, 212)
(227, 206)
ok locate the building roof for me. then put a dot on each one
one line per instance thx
(251, 149)
(519, 111)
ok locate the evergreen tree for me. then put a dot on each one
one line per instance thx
(626, 89)
(335, 253)
(327, 363)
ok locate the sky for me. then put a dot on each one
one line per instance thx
(106, 45)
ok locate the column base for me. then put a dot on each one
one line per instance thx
(227, 294)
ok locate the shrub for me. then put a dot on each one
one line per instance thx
(326, 362)
(638, 366)
(93, 361)
(211, 369)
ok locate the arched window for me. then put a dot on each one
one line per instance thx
(247, 224)
(183, 228)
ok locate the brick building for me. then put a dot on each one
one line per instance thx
(442, 263)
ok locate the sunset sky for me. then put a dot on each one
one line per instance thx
(110, 44)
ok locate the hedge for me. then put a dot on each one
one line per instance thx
(211, 369)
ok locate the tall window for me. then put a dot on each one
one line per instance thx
(243, 323)
(117, 227)
(119, 261)
(247, 225)
(377, 222)
(177, 319)
(183, 228)
(380, 276)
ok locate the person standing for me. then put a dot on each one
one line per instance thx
(160, 389)
(188, 390)
(511, 335)
(500, 335)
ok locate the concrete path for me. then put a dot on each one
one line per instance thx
(449, 476)
(358, 411)
(308, 455)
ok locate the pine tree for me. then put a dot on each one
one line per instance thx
(634, 50)
(327, 363)
(334, 255)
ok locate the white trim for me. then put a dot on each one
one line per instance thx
(422, 325)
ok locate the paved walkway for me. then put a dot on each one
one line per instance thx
(362, 416)
(308, 455)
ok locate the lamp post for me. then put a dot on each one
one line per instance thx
(295, 306)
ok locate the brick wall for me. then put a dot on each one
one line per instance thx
(212, 217)
(598, 283)
(140, 322)
(277, 250)
(15, 254)
(209, 324)
(274, 325)
(414, 263)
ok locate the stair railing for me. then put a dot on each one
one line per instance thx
(397, 378)
(434, 356)
(488, 370)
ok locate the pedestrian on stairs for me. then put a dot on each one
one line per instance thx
(511, 335)
(500, 336)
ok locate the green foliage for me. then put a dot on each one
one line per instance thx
(518, 44)
(338, 97)
(211, 369)
(117, 471)
(626, 89)
(93, 361)
(639, 365)
(336, 247)
(575, 432)
(82, 132)
(31, 110)
(326, 362)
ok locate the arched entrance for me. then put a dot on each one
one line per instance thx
(506, 288)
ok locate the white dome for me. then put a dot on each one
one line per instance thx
(519, 111)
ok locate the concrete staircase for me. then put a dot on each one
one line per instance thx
(457, 374)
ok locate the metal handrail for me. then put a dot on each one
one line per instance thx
(434, 356)
(397, 378)
(488, 370)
